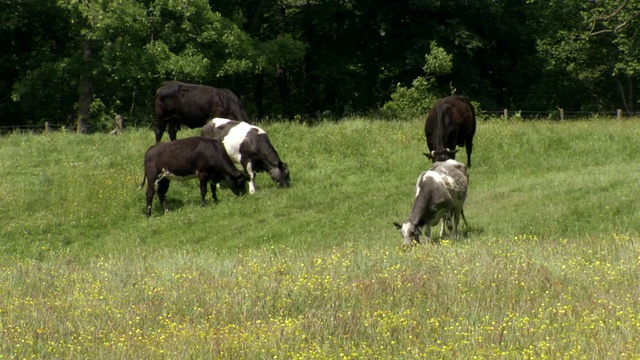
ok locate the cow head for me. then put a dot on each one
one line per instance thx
(441, 155)
(410, 233)
(238, 183)
(280, 174)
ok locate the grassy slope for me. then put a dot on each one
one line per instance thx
(549, 268)
(351, 180)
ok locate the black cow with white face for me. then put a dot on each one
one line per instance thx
(450, 123)
(250, 147)
(179, 103)
(184, 159)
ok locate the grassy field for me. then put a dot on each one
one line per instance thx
(550, 267)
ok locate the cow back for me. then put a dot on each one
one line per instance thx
(464, 118)
(243, 141)
(247, 143)
(450, 123)
(455, 178)
(432, 200)
(186, 156)
(193, 105)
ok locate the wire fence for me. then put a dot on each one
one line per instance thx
(559, 114)
(504, 114)
(39, 128)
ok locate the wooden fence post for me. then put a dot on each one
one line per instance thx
(505, 114)
(46, 126)
(119, 126)
(561, 113)
(618, 114)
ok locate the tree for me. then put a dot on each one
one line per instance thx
(277, 53)
(34, 38)
(116, 53)
(620, 24)
(83, 61)
(421, 96)
(595, 54)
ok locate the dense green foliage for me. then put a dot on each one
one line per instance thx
(548, 269)
(68, 61)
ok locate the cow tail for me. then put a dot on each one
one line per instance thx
(144, 178)
(464, 218)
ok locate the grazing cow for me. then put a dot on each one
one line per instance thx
(450, 123)
(186, 159)
(250, 147)
(440, 195)
(179, 103)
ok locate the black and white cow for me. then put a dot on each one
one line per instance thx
(440, 195)
(249, 146)
(179, 103)
(184, 159)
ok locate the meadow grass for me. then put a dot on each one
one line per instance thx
(548, 269)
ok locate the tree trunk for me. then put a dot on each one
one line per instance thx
(254, 11)
(285, 94)
(631, 96)
(259, 95)
(86, 88)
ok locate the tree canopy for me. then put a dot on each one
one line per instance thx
(83, 61)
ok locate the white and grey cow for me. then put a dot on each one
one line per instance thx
(440, 195)
(249, 146)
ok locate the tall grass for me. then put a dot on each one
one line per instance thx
(549, 267)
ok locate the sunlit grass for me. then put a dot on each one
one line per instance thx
(521, 297)
(549, 268)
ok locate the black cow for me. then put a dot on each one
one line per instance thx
(250, 147)
(179, 103)
(186, 159)
(450, 123)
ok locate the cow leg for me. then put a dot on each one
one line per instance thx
(469, 147)
(151, 192)
(173, 130)
(213, 191)
(203, 190)
(456, 221)
(163, 187)
(443, 224)
(252, 177)
(160, 127)
(427, 233)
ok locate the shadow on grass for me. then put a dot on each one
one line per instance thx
(464, 232)
(156, 207)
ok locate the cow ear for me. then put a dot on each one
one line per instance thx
(428, 156)
(398, 226)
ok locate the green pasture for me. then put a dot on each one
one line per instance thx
(549, 268)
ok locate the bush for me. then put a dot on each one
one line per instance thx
(421, 96)
(100, 118)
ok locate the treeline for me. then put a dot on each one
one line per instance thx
(81, 62)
